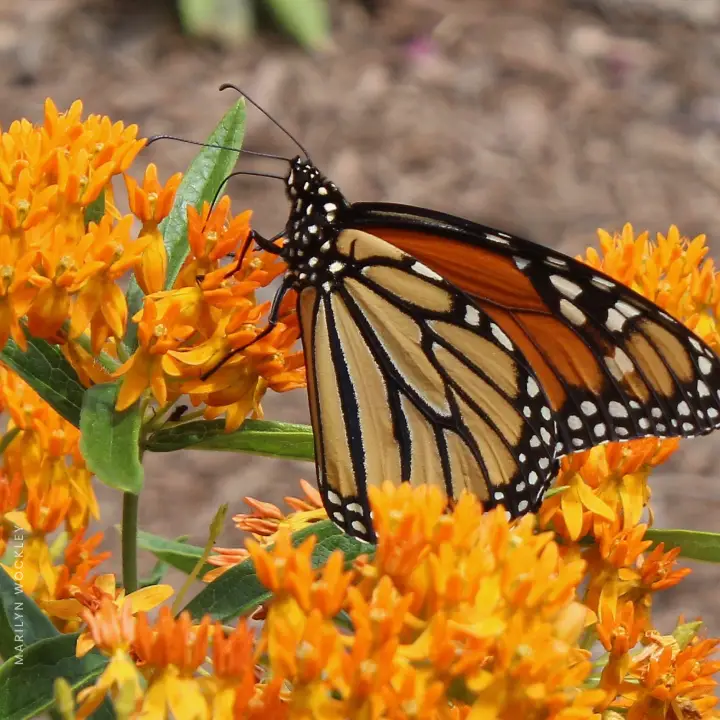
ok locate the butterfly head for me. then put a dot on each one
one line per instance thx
(312, 227)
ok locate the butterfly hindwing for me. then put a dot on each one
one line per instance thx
(411, 380)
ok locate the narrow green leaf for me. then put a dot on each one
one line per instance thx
(46, 370)
(239, 591)
(202, 180)
(22, 622)
(95, 210)
(110, 440)
(26, 681)
(308, 21)
(179, 555)
(693, 544)
(258, 437)
(228, 23)
(7, 438)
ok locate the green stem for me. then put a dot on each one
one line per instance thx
(129, 541)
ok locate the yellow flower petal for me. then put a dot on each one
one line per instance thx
(150, 597)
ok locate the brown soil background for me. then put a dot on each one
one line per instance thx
(549, 118)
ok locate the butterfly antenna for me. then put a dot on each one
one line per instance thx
(155, 138)
(226, 86)
(243, 172)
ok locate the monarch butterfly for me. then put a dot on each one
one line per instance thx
(443, 351)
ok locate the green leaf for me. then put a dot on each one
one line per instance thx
(44, 368)
(259, 437)
(156, 576)
(110, 440)
(228, 23)
(693, 544)
(95, 210)
(202, 180)
(26, 681)
(180, 555)
(22, 622)
(238, 591)
(350, 547)
(235, 593)
(308, 22)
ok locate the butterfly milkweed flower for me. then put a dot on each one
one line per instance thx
(455, 613)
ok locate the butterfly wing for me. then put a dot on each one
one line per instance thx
(409, 379)
(613, 365)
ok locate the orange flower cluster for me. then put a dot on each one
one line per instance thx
(45, 487)
(210, 314)
(64, 248)
(458, 615)
(56, 270)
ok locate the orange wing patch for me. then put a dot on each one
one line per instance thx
(472, 269)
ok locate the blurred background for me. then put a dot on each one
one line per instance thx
(549, 118)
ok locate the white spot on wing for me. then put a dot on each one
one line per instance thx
(705, 365)
(617, 410)
(501, 337)
(626, 309)
(421, 269)
(603, 283)
(496, 239)
(572, 312)
(555, 262)
(623, 361)
(588, 408)
(472, 315)
(565, 286)
(520, 262)
(532, 387)
(615, 320)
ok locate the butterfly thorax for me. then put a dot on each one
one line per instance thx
(313, 224)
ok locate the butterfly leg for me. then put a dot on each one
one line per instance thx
(286, 285)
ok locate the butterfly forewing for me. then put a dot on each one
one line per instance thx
(412, 381)
(613, 365)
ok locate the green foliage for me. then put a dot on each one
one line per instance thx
(258, 437)
(231, 22)
(693, 544)
(110, 440)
